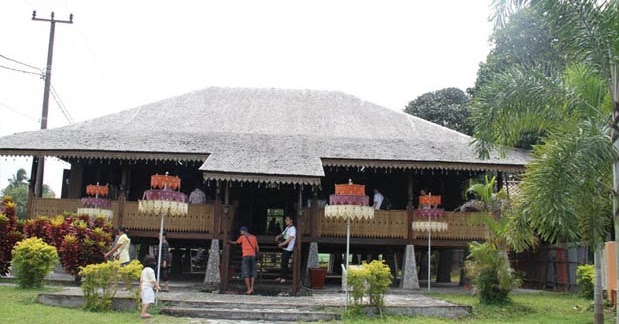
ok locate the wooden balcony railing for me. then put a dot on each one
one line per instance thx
(53, 207)
(386, 224)
(199, 219)
(461, 226)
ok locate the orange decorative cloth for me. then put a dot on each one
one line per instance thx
(97, 190)
(159, 181)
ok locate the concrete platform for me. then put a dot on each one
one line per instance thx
(187, 300)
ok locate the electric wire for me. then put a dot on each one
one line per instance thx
(22, 63)
(61, 105)
(22, 71)
(63, 108)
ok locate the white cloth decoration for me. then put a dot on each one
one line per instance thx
(425, 226)
(172, 208)
(94, 212)
(349, 211)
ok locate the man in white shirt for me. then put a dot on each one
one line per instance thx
(197, 196)
(287, 241)
(378, 199)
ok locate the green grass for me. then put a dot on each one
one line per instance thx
(541, 307)
(20, 306)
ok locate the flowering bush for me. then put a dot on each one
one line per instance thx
(79, 241)
(9, 234)
(371, 279)
(33, 259)
(101, 282)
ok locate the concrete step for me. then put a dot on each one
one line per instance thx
(257, 313)
(235, 305)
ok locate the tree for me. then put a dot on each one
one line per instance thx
(18, 189)
(488, 263)
(448, 107)
(20, 178)
(570, 175)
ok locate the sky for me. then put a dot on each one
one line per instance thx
(118, 55)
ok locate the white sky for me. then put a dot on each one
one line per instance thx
(121, 54)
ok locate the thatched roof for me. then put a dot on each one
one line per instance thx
(253, 134)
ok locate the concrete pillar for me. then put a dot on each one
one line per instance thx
(409, 269)
(312, 262)
(212, 275)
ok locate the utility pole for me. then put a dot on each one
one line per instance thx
(38, 162)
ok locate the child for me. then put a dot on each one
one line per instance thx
(147, 284)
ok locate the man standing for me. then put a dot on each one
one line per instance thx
(164, 267)
(378, 199)
(287, 241)
(250, 248)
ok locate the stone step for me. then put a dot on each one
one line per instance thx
(255, 314)
(235, 305)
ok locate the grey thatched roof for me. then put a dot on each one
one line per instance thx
(269, 132)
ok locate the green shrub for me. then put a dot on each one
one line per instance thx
(371, 279)
(490, 292)
(33, 259)
(585, 276)
(100, 282)
(492, 275)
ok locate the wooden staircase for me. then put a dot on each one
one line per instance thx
(268, 262)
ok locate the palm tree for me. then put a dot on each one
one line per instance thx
(488, 262)
(19, 178)
(576, 112)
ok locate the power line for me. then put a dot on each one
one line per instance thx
(22, 63)
(61, 105)
(22, 71)
(18, 112)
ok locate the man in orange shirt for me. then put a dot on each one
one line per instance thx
(250, 248)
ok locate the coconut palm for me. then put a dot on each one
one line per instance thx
(576, 113)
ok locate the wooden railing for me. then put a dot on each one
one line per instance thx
(393, 224)
(199, 219)
(53, 207)
(461, 226)
(386, 224)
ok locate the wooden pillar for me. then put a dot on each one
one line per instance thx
(296, 257)
(443, 272)
(410, 208)
(314, 221)
(122, 197)
(225, 275)
(76, 179)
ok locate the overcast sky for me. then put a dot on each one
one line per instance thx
(121, 54)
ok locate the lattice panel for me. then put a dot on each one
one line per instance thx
(386, 224)
(53, 207)
(199, 219)
(461, 226)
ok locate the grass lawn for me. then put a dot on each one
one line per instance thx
(542, 307)
(20, 306)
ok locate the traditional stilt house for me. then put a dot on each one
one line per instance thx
(260, 154)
